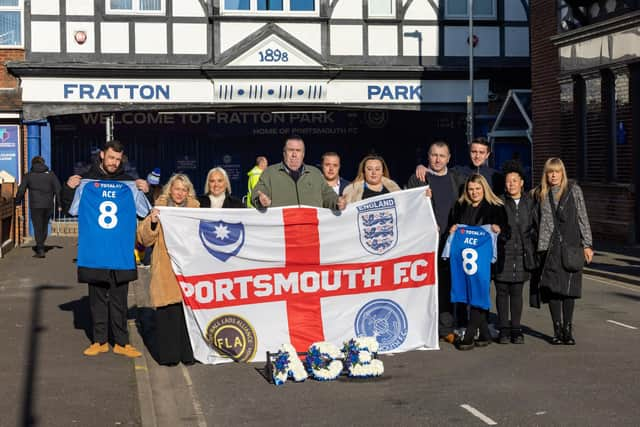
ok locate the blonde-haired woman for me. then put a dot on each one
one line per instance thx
(477, 205)
(372, 180)
(217, 191)
(564, 244)
(172, 344)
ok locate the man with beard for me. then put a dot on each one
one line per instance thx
(108, 277)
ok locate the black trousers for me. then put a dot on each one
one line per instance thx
(445, 307)
(561, 308)
(108, 303)
(172, 338)
(40, 221)
(509, 298)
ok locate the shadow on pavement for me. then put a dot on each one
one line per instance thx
(628, 296)
(146, 324)
(27, 417)
(536, 334)
(81, 315)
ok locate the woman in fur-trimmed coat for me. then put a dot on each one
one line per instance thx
(172, 344)
(372, 180)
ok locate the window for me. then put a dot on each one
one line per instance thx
(269, 6)
(135, 6)
(11, 23)
(382, 8)
(457, 9)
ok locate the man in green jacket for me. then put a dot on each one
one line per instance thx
(292, 183)
(254, 176)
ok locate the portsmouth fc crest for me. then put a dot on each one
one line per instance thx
(221, 239)
(378, 226)
(385, 320)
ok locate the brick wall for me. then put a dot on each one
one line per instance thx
(545, 87)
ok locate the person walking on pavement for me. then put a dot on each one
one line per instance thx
(109, 284)
(44, 187)
(565, 243)
(172, 344)
(293, 183)
(254, 176)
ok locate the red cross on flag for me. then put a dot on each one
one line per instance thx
(252, 280)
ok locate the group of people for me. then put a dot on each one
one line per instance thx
(537, 232)
(543, 237)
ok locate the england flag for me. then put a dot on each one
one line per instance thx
(253, 280)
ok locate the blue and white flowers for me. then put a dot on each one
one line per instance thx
(287, 364)
(360, 357)
(322, 361)
(325, 361)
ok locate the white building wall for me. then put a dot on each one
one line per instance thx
(151, 37)
(411, 44)
(89, 45)
(45, 7)
(190, 39)
(348, 9)
(309, 34)
(233, 32)
(383, 40)
(514, 11)
(422, 9)
(45, 36)
(188, 8)
(114, 37)
(516, 41)
(346, 39)
(455, 41)
(79, 7)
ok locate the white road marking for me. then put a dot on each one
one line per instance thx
(622, 324)
(616, 284)
(202, 422)
(541, 412)
(478, 414)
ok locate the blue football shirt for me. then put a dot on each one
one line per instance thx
(107, 223)
(471, 251)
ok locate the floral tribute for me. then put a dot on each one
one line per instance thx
(287, 364)
(324, 361)
(359, 357)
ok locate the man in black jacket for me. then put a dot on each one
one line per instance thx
(445, 185)
(108, 289)
(43, 186)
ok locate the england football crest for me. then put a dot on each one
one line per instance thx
(221, 239)
(378, 226)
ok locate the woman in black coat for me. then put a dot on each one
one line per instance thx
(564, 245)
(515, 254)
(217, 191)
(478, 205)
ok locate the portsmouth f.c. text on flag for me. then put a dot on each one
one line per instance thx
(253, 280)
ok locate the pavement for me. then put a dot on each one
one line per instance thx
(48, 382)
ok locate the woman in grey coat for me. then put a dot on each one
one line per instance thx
(563, 228)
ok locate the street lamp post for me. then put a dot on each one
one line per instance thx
(471, 43)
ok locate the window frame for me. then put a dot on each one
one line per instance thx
(447, 15)
(286, 10)
(392, 15)
(20, 9)
(135, 9)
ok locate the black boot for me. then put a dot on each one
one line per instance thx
(568, 335)
(516, 336)
(504, 336)
(558, 335)
(484, 339)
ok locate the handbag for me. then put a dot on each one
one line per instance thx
(572, 257)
